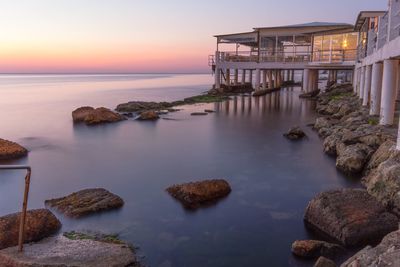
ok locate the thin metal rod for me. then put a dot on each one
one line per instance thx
(22, 223)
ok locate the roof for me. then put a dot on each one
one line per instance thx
(310, 24)
(363, 15)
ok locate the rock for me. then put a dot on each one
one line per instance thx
(199, 114)
(386, 254)
(295, 133)
(80, 114)
(139, 106)
(128, 115)
(193, 195)
(209, 111)
(352, 159)
(322, 122)
(148, 116)
(383, 153)
(92, 116)
(324, 262)
(384, 182)
(102, 115)
(311, 94)
(11, 150)
(86, 202)
(350, 216)
(39, 224)
(315, 249)
(61, 251)
(331, 142)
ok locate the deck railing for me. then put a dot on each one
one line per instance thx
(326, 56)
(22, 222)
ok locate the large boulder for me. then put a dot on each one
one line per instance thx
(193, 195)
(315, 249)
(92, 116)
(148, 116)
(295, 133)
(86, 202)
(382, 154)
(324, 262)
(79, 114)
(11, 150)
(386, 254)
(61, 251)
(350, 216)
(39, 224)
(352, 159)
(384, 182)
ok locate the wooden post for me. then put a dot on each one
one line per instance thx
(24, 210)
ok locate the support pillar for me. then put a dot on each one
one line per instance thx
(362, 82)
(217, 78)
(243, 76)
(251, 77)
(264, 79)
(228, 77)
(355, 80)
(270, 80)
(257, 85)
(389, 87)
(236, 76)
(367, 84)
(376, 88)
(306, 79)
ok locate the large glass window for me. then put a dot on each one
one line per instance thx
(334, 48)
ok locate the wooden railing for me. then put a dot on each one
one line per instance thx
(22, 222)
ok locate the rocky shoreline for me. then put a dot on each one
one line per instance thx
(366, 151)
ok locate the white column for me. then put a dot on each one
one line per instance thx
(376, 88)
(236, 76)
(367, 84)
(306, 79)
(243, 76)
(389, 87)
(217, 78)
(270, 80)
(362, 82)
(251, 76)
(264, 79)
(257, 85)
(355, 80)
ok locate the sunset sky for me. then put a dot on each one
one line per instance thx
(138, 36)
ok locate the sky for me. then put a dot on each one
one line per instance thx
(143, 36)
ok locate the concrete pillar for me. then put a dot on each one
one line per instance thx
(264, 79)
(376, 88)
(367, 84)
(292, 75)
(306, 79)
(228, 77)
(251, 77)
(236, 76)
(257, 85)
(362, 82)
(270, 80)
(316, 80)
(355, 80)
(243, 76)
(389, 87)
(217, 78)
(278, 78)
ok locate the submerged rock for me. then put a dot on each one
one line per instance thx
(350, 216)
(39, 224)
(324, 262)
(148, 116)
(92, 116)
(11, 150)
(199, 114)
(315, 249)
(193, 195)
(386, 254)
(62, 251)
(86, 202)
(295, 133)
(140, 106)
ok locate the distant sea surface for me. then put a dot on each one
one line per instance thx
(272, 178)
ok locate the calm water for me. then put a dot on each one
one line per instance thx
(272, 179)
